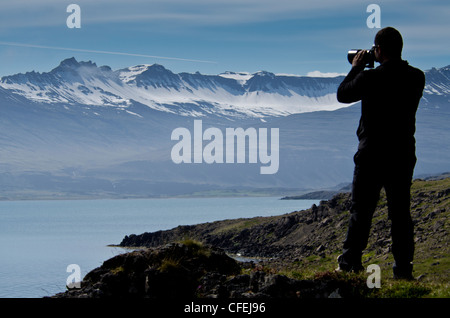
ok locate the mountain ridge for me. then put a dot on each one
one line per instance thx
(103, 138)
(155, 86)
(260, 94)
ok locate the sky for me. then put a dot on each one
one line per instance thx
(214, 36)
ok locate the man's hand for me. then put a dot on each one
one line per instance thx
(359, 59)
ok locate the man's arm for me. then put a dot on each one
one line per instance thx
(351, 88)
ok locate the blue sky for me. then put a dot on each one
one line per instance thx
(280, 36)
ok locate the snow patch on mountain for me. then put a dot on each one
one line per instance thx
(256, 95)
(259, 95)
(240, 77)
(438, 81)
(321, 74)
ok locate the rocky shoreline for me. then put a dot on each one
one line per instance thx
(288, 236)
(194, 261)
(190, 270)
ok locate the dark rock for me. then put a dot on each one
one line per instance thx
(170, 271)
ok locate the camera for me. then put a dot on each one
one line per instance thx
(369, 57)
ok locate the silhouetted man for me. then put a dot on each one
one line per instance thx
(389, 95)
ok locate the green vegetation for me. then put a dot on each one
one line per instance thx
(169, 264)
(304, 245)
(390, 288)
(239, 225)
(430, 207)
(117, 270)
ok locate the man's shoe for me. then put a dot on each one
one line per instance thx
(403, 272)
(341, 267)
(345, 267)
(403, 276)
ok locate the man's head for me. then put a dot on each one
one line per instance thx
(388, 44)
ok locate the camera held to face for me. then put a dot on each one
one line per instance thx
(369, 57)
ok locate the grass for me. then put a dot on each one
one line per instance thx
(428, 286)
(169, 265)
(430, 209)
(432, 256)
(402, 289)
(117, 270)
(174, 262)
(389, 288)
(236, 227)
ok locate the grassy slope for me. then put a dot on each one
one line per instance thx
(430, 209)
(305, 244)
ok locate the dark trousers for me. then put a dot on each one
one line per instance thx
(371, 174)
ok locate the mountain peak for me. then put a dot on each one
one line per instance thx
(157, 67)
(157, 75)
(138, 72)
(156, 70)
(73, 64)
(265, 74)
(70, 62)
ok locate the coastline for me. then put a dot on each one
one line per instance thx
(298, 252)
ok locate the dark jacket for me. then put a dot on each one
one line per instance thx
(390, 96)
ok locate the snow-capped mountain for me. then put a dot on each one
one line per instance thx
(255, 95)
(438, 81)
(84, 130)
(437, 88)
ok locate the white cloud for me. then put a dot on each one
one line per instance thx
(320, 74)
(100, 52)
(198, 12)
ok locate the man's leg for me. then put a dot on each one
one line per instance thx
(365, 194)
(398, 192)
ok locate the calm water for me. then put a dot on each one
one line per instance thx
(39, 239)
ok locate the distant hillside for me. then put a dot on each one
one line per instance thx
(82, 131)
(312, 195)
